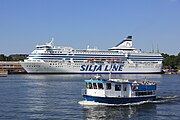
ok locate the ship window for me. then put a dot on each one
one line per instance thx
(108, 86)
(124, 88)
(117, 87)
(144, 93)
(94, 86)
(100, 86)
(89, 85)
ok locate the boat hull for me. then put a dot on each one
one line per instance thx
(114, 100)
(88, 68)
(120, 59)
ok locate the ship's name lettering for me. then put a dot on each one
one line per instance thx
(101, 67)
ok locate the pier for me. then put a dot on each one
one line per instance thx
(171, 71)
(14, 67)
(11, 67)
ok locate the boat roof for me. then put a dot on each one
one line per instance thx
(121, 81)
(109, 80)
(96, 80)
(125, 45)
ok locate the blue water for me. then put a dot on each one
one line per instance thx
(56, 97)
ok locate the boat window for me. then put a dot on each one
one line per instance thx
(89, 85)
(117, 87)
(124, 88)
(94, 86)
(108, 86)
(100, 86)
(144, 93)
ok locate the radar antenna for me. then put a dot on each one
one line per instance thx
(51, 42)
(52, 39)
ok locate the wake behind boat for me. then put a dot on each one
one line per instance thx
(118, 91)
(122, 58)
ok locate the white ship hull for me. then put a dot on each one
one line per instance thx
(122, 58)
(90, 68)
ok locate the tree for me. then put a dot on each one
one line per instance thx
(171, 61)
(2, 57)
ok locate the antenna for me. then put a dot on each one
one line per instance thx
(157, 49)
(87, 47)
(52, 39)
(152, 49)
(97, 76)
(51, 42)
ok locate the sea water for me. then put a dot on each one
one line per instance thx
(57, 97)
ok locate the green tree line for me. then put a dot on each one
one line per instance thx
(169, 61)
(14, 57)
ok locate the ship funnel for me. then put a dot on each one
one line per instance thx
(129, 37)
(126, 44)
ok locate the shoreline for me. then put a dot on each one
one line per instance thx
(14, 67)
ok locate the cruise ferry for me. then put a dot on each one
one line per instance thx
(117, 91)
(122, 58)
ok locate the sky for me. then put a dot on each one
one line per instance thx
(97, 23)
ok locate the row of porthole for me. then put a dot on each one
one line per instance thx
(55, 64)
(68, 66)
(80, 52)
(61, 64)
(33, 65)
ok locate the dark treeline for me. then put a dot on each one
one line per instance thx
(169, 61)
(14, 57)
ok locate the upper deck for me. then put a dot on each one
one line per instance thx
(123, 47)
(123, 50)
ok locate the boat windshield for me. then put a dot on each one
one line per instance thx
(108, 86)
(94, 85)
(89, 85)
(117, 87)
(100, 86)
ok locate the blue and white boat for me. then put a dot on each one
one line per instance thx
(122, 58)
(118, 91)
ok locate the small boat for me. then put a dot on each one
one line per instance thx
(118, 91)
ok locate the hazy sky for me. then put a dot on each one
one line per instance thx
(99, 23)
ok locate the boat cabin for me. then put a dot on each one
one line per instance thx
(119, 88)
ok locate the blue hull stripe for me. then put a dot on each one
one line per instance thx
(111, 100)
(95, 72)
